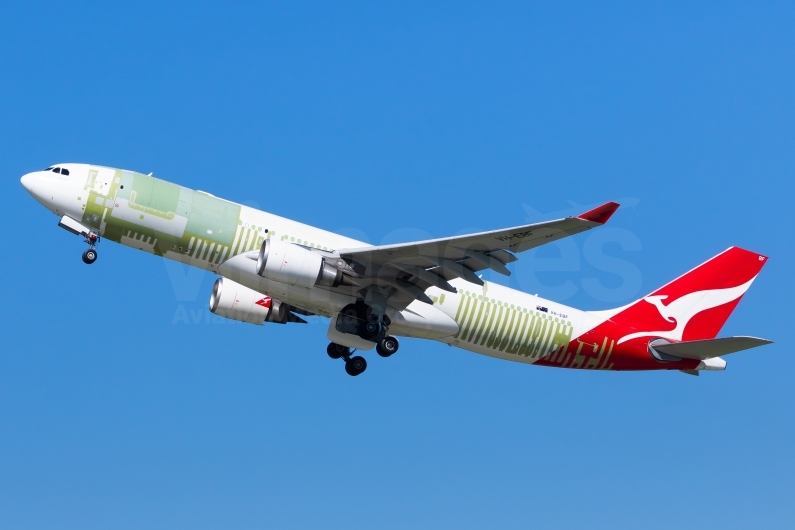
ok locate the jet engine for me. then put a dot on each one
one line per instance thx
(231, 300)
(294, 265)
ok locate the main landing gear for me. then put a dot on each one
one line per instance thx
(357, 364)
(363, 320)
(387, 346)
(90, 255)
(353, 365)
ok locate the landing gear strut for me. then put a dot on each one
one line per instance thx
(90, 255)
(353, 365)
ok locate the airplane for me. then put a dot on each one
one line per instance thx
(274, 270)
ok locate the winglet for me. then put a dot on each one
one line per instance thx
(600, 214)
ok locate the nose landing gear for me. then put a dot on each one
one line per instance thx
(353, 365)
(90, 255)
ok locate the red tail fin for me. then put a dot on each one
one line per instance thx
(695, 305)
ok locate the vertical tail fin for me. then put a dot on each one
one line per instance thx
(695, 305)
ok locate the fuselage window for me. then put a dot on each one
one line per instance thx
(64, 171)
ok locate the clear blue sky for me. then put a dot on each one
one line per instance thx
(123, 405)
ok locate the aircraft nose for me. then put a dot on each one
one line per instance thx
(36, 184)
(28, 181)
(58, 195)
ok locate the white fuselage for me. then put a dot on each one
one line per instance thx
(203, 231)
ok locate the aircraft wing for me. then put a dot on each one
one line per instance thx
(410, 268)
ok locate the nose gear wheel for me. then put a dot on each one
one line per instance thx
(90, 255)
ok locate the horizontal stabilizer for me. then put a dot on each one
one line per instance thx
(707, 349)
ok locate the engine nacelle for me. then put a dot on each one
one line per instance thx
(231, 300)
(287, 263)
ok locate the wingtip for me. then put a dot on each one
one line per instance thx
(600, 214)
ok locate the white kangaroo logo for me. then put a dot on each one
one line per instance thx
(667, 312)
(686, 307)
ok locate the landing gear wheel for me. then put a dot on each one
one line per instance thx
(89, 256)
(387, 346)
(356, 365)
(335, 351)
(371, 330)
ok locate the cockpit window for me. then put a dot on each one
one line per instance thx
(64, 171)
(56, 170)
(48, 169)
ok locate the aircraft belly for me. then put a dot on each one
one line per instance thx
(423, 321)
